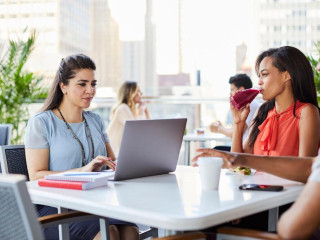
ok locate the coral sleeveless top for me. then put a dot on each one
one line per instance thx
(279, 133)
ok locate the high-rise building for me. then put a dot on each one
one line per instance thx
(241, 53)
(150, 84)
(73, 20)
(105, 44)
(62, 28)
(66, 27)
(287, 22)
(133, 62)
(242, 64)
(183, 31)
(138, 61)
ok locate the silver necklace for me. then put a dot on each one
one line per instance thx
(78, 140)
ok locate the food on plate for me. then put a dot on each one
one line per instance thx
(242, 170)
(200, 131)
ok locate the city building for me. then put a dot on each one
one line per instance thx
(167, 82)
(61, 28)
(242, 64)
(133, 62)
(64, 28)
(150, 82)
(138, 61)
(286, 22)
(105, 45)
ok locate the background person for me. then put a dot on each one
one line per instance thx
(64, 137)
(287, 124)
(129, 106)
(238, 82)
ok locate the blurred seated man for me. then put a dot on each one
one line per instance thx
(237, 82)
(300, 221)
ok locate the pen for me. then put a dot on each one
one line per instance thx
(81, 174)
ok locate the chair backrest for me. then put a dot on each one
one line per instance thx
(13, 160)
(18, 218)
(5, 134)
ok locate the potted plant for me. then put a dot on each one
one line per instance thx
(18, 87)
(315, 63)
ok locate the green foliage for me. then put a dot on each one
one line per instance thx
(315, 61)
(18, 87)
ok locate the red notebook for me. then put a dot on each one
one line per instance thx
(71, 184)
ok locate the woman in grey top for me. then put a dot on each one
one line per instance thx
(65, 137)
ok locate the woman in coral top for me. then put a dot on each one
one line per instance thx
(288, 123)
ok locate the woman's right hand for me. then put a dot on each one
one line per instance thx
(143, 109)
(98, 163)
(239, 116)
(215, 126)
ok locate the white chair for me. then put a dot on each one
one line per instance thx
(5, 134)
(18, 218)
(13, 161)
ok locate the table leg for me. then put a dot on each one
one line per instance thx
(63, 228)
(187, 153)
(273, 219)
(171, 232)
(104, 228)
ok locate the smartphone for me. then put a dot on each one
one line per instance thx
(261, 187)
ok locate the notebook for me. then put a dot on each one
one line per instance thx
(71, 184)
(149, 147)
(79, 176)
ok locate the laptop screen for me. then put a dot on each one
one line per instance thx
(149, 147)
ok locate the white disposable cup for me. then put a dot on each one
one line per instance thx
(210, 168)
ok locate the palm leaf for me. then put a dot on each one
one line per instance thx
(18, 87)
(315, 61)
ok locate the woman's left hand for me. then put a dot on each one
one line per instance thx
(230, 160)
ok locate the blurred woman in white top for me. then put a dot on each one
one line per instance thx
(129, 106)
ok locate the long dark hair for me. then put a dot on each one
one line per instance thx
(295, 62)
(66, 71)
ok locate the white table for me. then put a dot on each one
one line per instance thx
(173, 201)
(193, 137)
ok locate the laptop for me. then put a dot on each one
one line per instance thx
(149, 147)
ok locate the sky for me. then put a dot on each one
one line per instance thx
(130, 16)
(211, 30)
